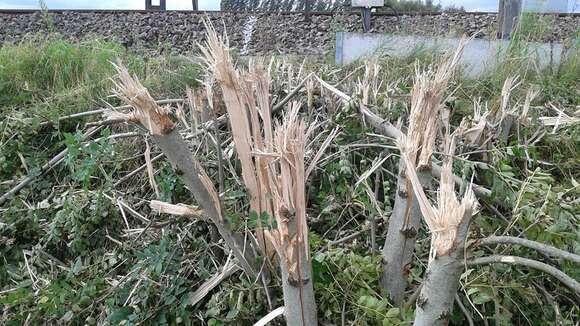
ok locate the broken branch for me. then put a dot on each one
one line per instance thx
(387, 129)
(547, 249)
(515, 260)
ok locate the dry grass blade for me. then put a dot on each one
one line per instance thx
(473, 133)
(531, 95)
(321, 151)
(508, 87)
(150, 172)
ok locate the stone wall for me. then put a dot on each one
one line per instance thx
(251, 33)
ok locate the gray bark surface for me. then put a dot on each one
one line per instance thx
(299, 301)
(397, 254)
(385, 128)
(546, 249)
(515, 260)
(176, 150)
(435, 302)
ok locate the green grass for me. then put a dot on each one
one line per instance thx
(47, 77)
(52, 76)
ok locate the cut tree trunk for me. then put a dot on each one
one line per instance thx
(435, 302)
(405, 221)
(176, 150)
(299, 301)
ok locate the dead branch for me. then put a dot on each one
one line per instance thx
(178, 210)
(515, 260)
(156, 120)
(104, 110)
(544, 248)
(270, 316)
(389, 130)
(229, 269)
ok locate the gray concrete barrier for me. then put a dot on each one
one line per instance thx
(479, 54)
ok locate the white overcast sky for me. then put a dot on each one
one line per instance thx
(471, 5)
(474, 5)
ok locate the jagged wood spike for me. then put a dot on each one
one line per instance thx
(405, 221)
(449, 225)
(162, 129)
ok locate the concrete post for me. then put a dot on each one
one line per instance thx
(508, 15)
(149, 5)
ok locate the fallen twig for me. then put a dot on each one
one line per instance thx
(178, 210)
(139, 169)
(212, 282)
(547, 249)
(103, 110)
(515, 260)
(466, 312)
(387, 129)
(128, 208)
(269, 317)
(290, 95)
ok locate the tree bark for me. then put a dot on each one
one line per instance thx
(543, 267)
(544, 248)
(399, 245)
(435, 302)
(299, 301)
(178, 153)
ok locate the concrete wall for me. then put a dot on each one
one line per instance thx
(545, 5)
(178, 32)
(478, 56)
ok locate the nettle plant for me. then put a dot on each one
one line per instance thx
(86, 159)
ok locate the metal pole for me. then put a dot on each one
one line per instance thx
(162, 5)
(148, 4)
(308, 9)
(508, 15)
(194, 5)
(500, 14)
(366, 13)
